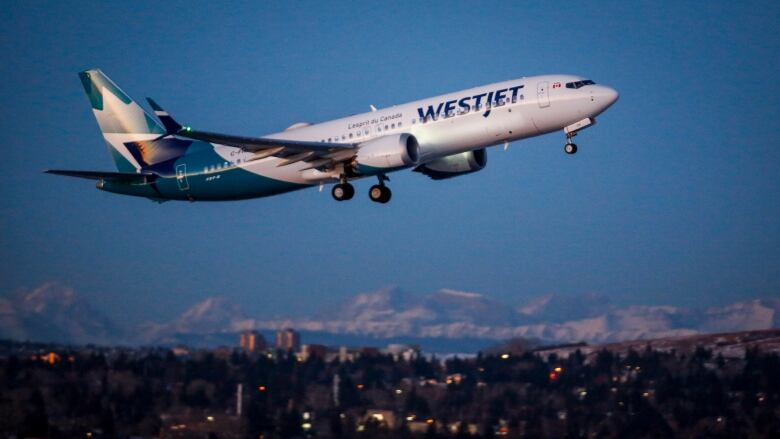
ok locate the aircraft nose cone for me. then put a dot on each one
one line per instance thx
(603, 98)
(610, 95)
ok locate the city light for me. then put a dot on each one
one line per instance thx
(504, 356)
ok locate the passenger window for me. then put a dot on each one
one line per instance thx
(399, 124)
(350, 135)
(386, 128)
(379, 129)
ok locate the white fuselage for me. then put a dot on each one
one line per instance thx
(543, 104)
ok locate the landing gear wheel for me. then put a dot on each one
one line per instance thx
(379, 193)
(342, 192)
(570, 148)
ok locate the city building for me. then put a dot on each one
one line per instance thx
(313, 351)
(403, 352)
(252, 341)
(288, 340)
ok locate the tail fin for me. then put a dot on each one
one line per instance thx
(133, 137)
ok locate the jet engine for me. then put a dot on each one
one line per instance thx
(386, 153)
(455, 165)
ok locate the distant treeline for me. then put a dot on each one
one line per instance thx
(48, 391)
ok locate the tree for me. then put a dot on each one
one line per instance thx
(36, 421)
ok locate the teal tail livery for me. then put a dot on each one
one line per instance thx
(441, 137)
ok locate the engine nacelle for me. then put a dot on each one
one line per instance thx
(455, 165)
(387, 153)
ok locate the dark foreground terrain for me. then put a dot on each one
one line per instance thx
(695, 387)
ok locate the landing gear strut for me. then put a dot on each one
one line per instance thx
(379, 193)
(570, 147)
(343, 190)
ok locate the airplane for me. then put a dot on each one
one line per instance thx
(441, 137)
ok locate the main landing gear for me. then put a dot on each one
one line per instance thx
(379, 193)
(343, 191)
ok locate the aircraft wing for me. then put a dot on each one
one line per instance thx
(292, 151)
(108, 176)
(255, 144)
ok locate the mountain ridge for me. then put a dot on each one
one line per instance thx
(56, 313)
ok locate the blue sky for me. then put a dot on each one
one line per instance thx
(673, 198)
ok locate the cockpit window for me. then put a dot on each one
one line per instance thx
(579, 84)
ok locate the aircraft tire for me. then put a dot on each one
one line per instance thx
(570, 148)
(342, 192)
(379, 194)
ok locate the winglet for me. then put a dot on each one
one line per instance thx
(171, 126)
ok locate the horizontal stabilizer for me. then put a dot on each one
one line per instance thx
(125, 177)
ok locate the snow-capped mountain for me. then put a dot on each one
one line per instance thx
(554, 308)
(211, 316)
(753, 314)
(54, 313)
(552, 319)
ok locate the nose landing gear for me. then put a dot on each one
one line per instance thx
(571, 131)
(570, 147)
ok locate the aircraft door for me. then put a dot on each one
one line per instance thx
(181, 177)
(543, 94)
